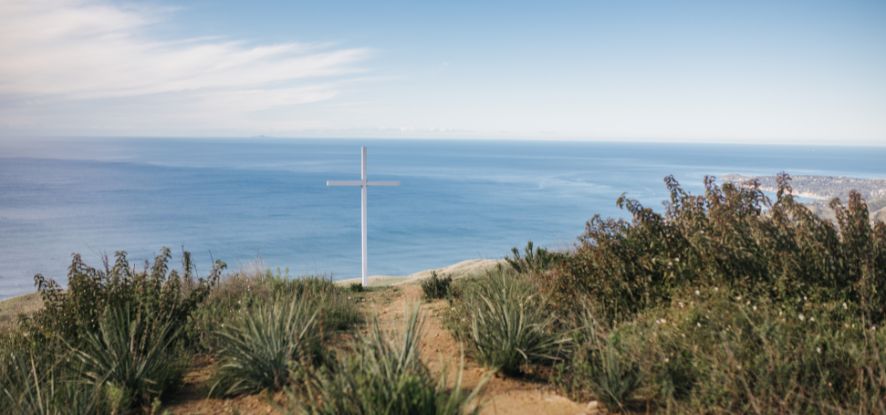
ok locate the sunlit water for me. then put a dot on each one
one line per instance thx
(266, 199)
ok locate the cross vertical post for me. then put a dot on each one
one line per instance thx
(364, 269)
(364, 184)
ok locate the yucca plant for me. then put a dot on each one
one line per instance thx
(336, 307)
(533, 260)
(131, 360)
(509, 325)
(261, 349)
(386, 377)
(31, 384)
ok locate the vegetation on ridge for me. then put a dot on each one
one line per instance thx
(727, 302)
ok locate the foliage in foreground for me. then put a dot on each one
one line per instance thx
(132, 362)
(264, 345)
(713, 353)
(336, 307)
(109, 342)
(733, 237)
(727, 303)
(386, 377)
(508, 325)
(436, 287)
(534, 260)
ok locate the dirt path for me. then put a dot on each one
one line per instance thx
(440, 350)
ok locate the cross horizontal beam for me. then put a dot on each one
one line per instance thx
(360, 183)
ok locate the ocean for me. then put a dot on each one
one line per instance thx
(264, 201)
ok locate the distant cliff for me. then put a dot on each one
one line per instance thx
(819, 190)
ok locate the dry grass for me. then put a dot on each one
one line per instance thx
(11, 308)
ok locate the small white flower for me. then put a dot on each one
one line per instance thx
(845, 307)
(754, 308)
(818, 350)
(811, 318)
(698, 324)
(697, 292)
(802, 317)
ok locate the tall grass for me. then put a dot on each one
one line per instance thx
(386, 376)
(336, 306)
(133, 361)
(509, 325)
(31, 383)
(262, 347)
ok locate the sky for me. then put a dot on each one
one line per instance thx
(804, 72)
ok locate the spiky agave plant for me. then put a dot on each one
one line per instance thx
(131, 359)
(32, 384)
(387, 377)
(262, 347)
(509, 323)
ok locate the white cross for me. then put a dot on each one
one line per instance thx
(364, 183)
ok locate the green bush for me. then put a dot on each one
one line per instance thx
(726, 303)
(336, 307)
(263, 346)
(601, 365)
(508, 324)
(732, 236)
(436, 287)
(162, 297)
(132, 360)
(32, 382)
(385, 377)
(110, 341)
(533, 260)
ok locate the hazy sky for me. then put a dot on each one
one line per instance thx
(746, 71)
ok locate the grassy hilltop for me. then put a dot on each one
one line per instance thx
(726, 302)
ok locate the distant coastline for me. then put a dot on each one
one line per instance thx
(822, 189)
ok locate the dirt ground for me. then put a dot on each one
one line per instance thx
(440, 350)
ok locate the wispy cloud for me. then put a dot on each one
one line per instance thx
(66, 62)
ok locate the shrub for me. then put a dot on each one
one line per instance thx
(32, 382)
(161, 297)
(731, 236)
(436, 287)
(601, 365)
(533, 260)
(727, 302)
(509, 325)
(109, 341)
(262, 347)
(386, 377)
(336, 308)
(130, 359)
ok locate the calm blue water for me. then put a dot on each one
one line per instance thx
(266, 199)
